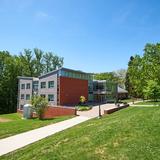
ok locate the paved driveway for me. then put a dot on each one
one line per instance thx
(94, 112)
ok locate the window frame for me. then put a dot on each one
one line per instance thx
(29, 86)
(23, 84)
(23, 97)
(42, 85)
(49, 96)
(29, 97)
(50, 84)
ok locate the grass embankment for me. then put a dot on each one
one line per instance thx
(131, 133)
(11, 124)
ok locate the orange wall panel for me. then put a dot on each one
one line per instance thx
(71, 89)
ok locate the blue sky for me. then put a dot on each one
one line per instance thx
(91, 35)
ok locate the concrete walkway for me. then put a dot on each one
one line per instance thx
(18, 141)
(94, 112)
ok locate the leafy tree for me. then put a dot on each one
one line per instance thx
(116, 76)
(52, 62)
(39, 104)
(38, 62)
(121, 75)
(10, 69)
(142, 69)
(109, 76)
(28, 62)
(152, 90)
(135, 76)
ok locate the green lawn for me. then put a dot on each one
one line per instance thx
(129, 134)
(17, 125)
(127, 100)
(148, 103)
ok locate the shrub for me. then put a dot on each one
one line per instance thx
(39, 104)
(82, 100)
(83, 108)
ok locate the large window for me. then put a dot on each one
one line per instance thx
(50, 84)
(22, 86)
(35, 85)
(28, 86)
(27, 96)
(22, 96)
(51, 97)
(43, 84)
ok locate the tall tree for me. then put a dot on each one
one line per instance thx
(136, 76)
(28, 62)
(52, 61)
(38, 62)
(8, 83)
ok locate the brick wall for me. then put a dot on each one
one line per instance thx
(52, 112)
(59, 111)
(71, 89)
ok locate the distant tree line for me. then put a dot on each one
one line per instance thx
(31, 63)
(115, 76)
(143, 73)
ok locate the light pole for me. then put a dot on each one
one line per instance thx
(99, 116)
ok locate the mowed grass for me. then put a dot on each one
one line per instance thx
(148, 103)
(129, 134)
(17, 125)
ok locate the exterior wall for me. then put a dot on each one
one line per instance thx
(71, 89)
(24, 91)
(47, 90)
(52, 112)
(59, 111)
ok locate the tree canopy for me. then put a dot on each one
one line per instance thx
(142, 69)
(115, 76)
(28, 63)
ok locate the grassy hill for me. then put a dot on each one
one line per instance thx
(132, 133)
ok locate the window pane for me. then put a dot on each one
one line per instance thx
(50, 84)
(27, 96)
(50, 97)
(43, 84)
(28, 86)
(22, 86)
(22, 96)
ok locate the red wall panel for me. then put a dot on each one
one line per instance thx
(71, 89)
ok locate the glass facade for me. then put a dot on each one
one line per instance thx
(104, 91)
(72, 74)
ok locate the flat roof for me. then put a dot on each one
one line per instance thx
(24, 77)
